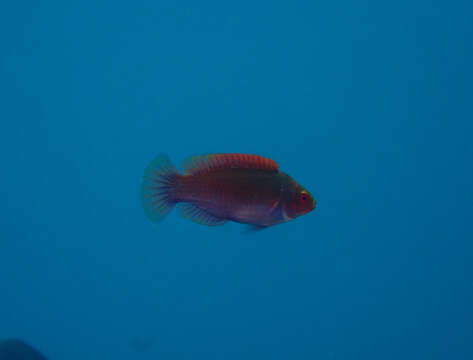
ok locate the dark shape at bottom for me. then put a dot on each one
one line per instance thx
(15, 349)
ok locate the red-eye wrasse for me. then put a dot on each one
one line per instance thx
(216, 188)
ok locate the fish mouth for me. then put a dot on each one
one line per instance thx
(313, 204)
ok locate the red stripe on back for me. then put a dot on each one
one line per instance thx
(212, 162)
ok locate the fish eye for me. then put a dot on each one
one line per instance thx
(304, 196)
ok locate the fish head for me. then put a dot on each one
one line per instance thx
(297, 200)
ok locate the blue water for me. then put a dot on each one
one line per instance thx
(367, 104)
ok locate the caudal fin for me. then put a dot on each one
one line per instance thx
(158, 187)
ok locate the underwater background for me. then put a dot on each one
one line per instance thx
(367, 104)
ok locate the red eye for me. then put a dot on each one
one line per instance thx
(304, 197)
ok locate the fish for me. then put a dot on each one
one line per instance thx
(16, 349)
(213, 189)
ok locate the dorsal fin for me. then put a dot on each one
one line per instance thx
(213, 162)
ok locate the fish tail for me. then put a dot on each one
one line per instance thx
(158, 188)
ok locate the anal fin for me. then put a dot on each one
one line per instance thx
(254, 228)
(196, 214)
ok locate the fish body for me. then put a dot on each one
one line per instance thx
(217, 188)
